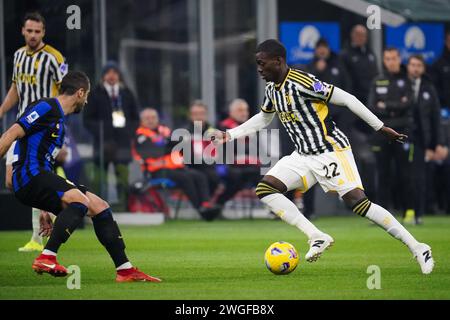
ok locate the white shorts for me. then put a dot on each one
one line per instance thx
(10, 159)
(335, 171)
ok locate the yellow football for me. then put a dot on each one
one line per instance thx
(281, 258)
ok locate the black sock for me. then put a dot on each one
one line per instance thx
(67, 221)
(108, 234)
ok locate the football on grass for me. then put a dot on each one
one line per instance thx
(281, 258)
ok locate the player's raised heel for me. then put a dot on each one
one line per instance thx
(317, 246)
(48, 264)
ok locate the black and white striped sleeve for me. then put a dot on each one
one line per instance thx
(267, 106)
(58, 69)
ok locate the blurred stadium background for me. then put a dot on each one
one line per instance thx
(172, 52)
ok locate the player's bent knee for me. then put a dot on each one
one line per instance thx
(362, 207)
(358, 201)
(264, 188)
(75, 196)
(96, 204)
(353, 197)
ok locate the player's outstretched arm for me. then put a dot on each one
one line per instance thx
(343, 98)
(12, 98)
(11, 135)
(252, 125)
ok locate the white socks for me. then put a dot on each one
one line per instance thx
(387, 221)
(288, 211)
(35, 221)
(48, 253)
(126, 265)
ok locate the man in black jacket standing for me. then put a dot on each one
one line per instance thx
(441, 74)
(390, 99)
(360, 62)
(112, 116)
(426, 134)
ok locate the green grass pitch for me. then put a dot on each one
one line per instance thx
(223, 260)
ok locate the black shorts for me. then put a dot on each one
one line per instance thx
(45, 190)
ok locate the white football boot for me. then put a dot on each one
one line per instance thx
(317, 245)
(422, 253)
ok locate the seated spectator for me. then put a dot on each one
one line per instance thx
(152, 149)
(198, 128)
(245, 171)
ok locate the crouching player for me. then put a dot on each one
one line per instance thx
(40, 134)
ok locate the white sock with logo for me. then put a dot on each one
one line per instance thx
(288, 212)
(387, 221)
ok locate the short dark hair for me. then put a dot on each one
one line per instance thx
(74, 81)
(322, 42)
(417, 57)
(389, 49)
(273, 48)
(34, 16)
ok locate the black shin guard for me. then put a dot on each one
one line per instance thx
(66, 223)
(108, 234)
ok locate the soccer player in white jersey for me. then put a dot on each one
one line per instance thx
(323, 154)
(37, 73)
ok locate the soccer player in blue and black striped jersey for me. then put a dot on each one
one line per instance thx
(37, 72)
(40, 134)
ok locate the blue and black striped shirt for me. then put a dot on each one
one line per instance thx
(43, 123)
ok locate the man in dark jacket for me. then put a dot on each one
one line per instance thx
(390, 98)
(426, 134)
(360, 62)
(440, 73)
(112, 117)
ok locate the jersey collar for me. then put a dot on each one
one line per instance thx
(30, 54)
(278, 86)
